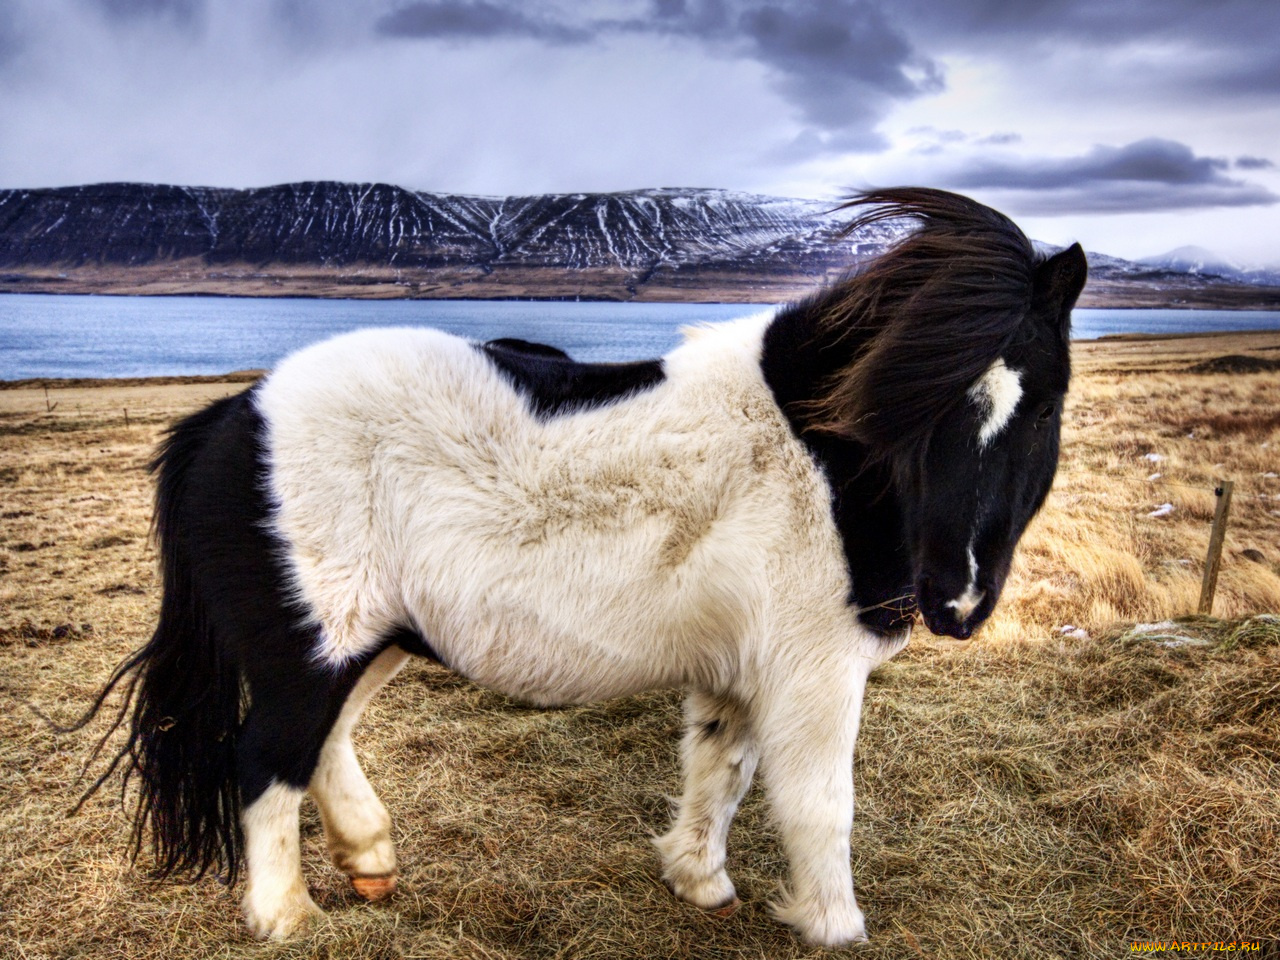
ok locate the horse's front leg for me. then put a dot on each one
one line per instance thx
(807, 726)
(356, 824)
(719, 757)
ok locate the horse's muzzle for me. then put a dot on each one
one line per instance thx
(952, 610)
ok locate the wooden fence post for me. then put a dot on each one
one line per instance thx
(1213, 562)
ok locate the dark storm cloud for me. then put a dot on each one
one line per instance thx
(18, 21)
(450, 19)
(182, 11)
(698, 19)
(1101, 21)
(1153, 160)
(669, 8)
(1148, 175)
(1253, 163)
(1230, 45)
(838, 41)
(940, 141)
(10, 38)
(1253, 75)
(841, 63)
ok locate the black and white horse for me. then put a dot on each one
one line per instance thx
(756, 518)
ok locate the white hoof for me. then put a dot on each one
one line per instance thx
(374, 859)
(713, 893)
(692, 880)
(282, 919)
(826, 925)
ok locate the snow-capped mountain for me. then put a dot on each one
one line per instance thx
(376, 240)
(1201, 262)
(340, 224)
(1192, 259)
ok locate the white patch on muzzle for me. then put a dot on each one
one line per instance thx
(968, 601)
(996, 395)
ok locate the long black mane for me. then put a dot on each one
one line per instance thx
(867, 368)
(920, 323)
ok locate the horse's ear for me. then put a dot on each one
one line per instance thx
(1060, 279)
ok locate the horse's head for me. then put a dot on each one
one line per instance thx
(957, 347)
(986, 466)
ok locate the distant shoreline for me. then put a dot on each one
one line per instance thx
(542, 284)
(161, 380)
(1232, 299)
(251, 376)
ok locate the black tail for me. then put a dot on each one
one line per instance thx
(182, 691)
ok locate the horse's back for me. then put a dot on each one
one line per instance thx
(591, 550)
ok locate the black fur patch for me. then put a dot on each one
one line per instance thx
(795, 365)
(554, 384)
(516, 345)
(241, 582)
(226, 696)
(412, 642)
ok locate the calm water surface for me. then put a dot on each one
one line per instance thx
(84, 336)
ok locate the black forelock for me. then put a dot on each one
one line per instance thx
(929, 316)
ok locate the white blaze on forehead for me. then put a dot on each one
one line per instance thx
(996, 395)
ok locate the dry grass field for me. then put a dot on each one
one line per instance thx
(1036, 792)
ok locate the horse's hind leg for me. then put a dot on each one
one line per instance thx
(719, 755)
(356, 824)
(293, 706)
(276, 901)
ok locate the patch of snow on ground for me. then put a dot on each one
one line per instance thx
(1153, 627)
(1166, 634)
(1161, 511)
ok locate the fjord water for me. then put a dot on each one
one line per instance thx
(104, 336)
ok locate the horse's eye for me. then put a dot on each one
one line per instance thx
(1047, 412)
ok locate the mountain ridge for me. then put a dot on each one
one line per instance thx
(324, 238)
(1198, 260)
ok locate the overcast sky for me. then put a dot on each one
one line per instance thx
(1134, 126)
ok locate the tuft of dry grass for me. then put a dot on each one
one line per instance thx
(1033, 793)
